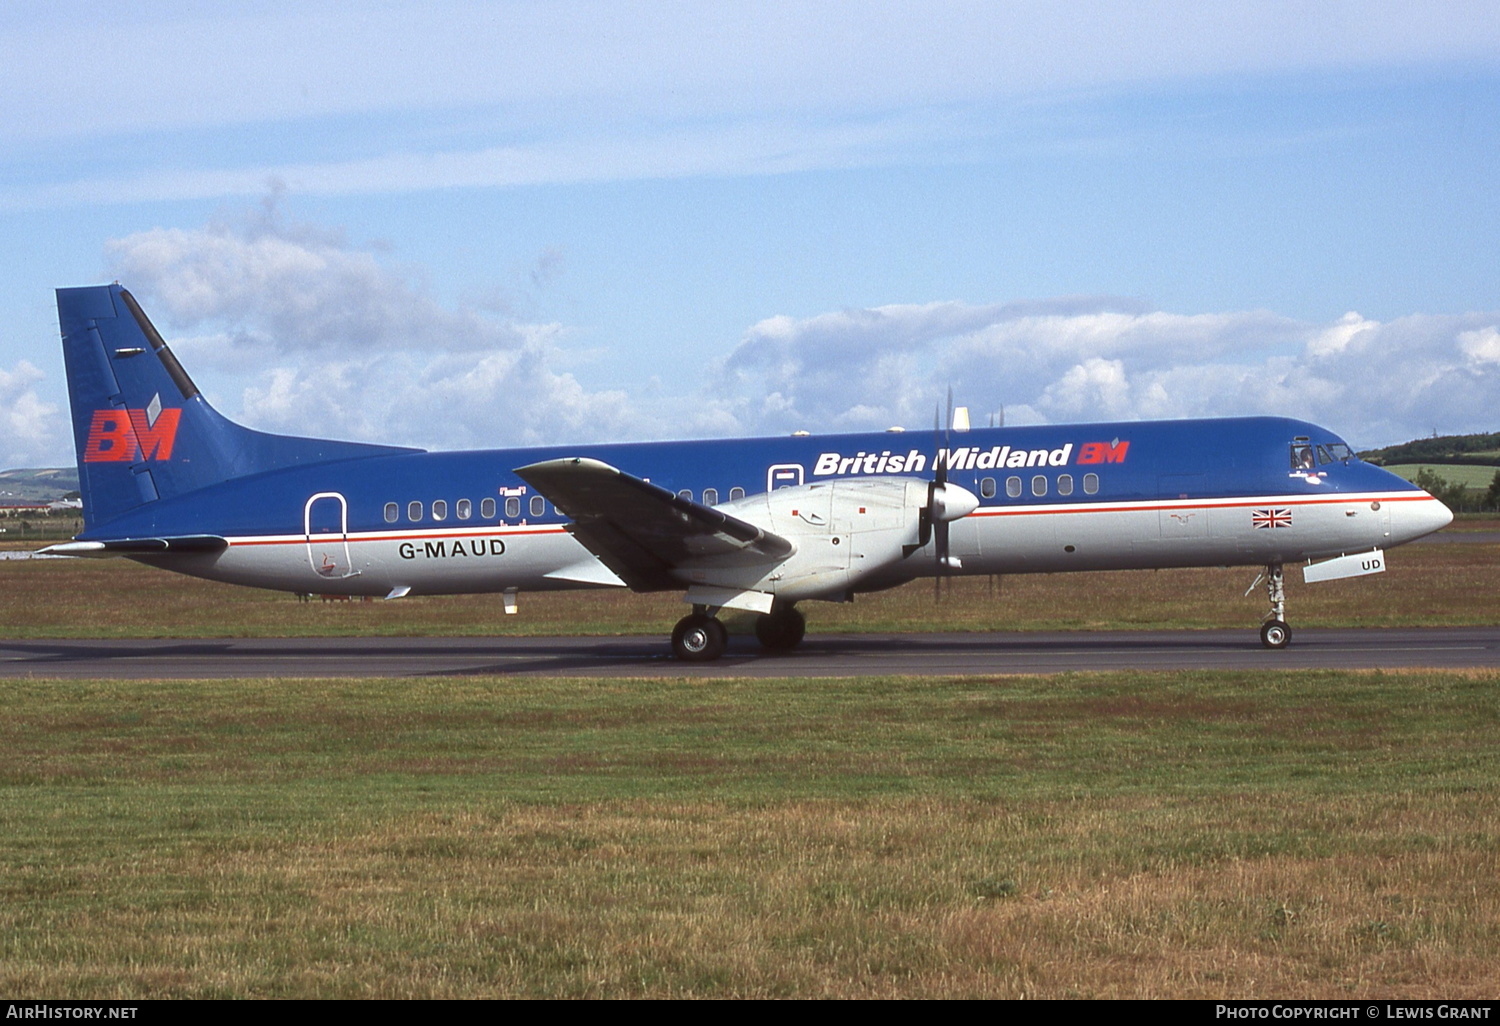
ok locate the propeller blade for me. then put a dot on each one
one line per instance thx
(936, 502)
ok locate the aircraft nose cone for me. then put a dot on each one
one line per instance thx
(1411, 520)
(951, 501)
(1436, 515)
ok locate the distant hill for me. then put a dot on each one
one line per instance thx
(45, 484)
(1466, 450)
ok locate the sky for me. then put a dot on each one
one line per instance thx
(461, 225)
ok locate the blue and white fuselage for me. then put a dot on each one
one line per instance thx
(758, 524)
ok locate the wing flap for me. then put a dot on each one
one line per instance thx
(643, 532)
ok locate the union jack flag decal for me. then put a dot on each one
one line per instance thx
(1264, 519)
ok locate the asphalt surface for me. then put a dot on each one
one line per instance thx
(822, 655)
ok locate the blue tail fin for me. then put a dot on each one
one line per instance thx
(142, 430)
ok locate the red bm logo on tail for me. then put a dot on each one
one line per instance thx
(124, 436)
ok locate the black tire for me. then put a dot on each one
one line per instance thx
(780, 630)
(699, 638)
(1275, 634)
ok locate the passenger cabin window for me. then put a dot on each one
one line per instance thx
(686, 493)
(512, 507)
(414, 511)
(1091, 484)
(1013, 487)
(1065, 484)
(1039, 485)
(392, 512)
(439, 509)
(710, 496)
(987, 487)
(538, 505)
(464, 508)
(736, 493)
(487, 509)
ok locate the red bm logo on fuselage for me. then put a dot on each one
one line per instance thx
(1103, 452)
(124, 436)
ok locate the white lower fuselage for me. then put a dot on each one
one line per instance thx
(1251, 530)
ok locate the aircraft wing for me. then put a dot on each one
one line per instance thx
(643, 532)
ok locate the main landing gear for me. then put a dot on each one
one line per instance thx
(1275, 633)
(700, 637)
(781, 629)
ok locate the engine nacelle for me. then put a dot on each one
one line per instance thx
(845, 532)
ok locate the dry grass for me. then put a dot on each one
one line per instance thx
(806, 899)
(1143, 835)
(1196, 835)
(1426, 584)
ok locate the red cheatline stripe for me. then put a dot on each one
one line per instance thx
(1051, 510)
(1136, 508)
(299, 539)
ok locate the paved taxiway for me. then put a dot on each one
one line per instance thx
(821, 655)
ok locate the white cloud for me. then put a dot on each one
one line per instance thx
(292, 329)
(334, 342)
(1481, 346)
(30, 428)
(756, 147)
(1338, 337)
(867, 369)
(1090, 390)
(169, 66)
(394, 97)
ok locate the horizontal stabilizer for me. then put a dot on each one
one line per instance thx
(180, 545)
(641, 531)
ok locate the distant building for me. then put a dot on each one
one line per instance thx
(12, 508)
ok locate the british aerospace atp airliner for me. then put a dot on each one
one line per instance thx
(760, 524)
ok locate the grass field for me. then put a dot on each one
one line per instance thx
(1476, 478)
(1122, 835)
(1129, 835)
(1426, 584)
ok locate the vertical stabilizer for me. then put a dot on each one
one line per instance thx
(141, 429)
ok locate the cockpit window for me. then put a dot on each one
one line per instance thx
(1307, 455)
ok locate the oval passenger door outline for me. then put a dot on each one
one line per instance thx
(328, 546)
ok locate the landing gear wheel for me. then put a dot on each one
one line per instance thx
(1274, 633)
(699, 638)
(780, 630)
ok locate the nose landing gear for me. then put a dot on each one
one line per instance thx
(1275, 633)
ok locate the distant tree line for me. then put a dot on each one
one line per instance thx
(1474, 450)
(1458, 498)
